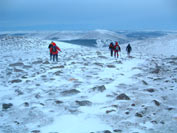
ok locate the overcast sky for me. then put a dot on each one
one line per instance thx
(88, 14)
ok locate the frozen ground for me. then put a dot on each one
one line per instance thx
(88, 91)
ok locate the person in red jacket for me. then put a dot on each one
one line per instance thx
(54, 50)
(116, 50)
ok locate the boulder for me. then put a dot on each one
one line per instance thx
(122, 97)
(99, 88)
(84, 103)
(6, 106)
(70, 92)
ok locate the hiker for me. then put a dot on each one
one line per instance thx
(54, 50)
(116, 50)
(111, 47)
(128, 49)
(50, 45)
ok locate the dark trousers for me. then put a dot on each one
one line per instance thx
(111, 52)
(116, 53)
(51, 56)
(55, 57)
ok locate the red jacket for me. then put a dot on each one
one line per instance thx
(116, 46)
(57, 49)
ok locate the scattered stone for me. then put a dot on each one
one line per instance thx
(109, 111)
(117, 130)
(155, 122)
(70, 92)
(24, 77)
(99, 88)
(150, 90)
(98, 52)
(37, 96)
(58, 73)
(144, 82)
(46, 62)
(16, 64)
(156, 102)
(35, 131)
(27, 66)
(84, 103)
(138, 115)
(98, 64)
(18, 70)
(19, 92)
(111, 66)
(123, 97)
(162, 122)
(170, 109)
(6, 106)
(37, 62)
(16, 81)
(58, 102)
(127, 113)
(16, 122)
(156, 70)
(26, 104)
(107, 131)
(133, 105)
(57, 67)
(102, 57)
(42, 104)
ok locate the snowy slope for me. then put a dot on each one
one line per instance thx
(87, 90)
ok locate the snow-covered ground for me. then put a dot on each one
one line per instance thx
(88, 91)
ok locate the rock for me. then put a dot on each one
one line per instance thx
(156, 70)
(111, 66)
(37, 62)
(57, 67)
(27, 67)
(133, 104)
(70, 92)
(170, 109)
(99, 88)
(26, 104)
(35, 131)
(84, 103)
(144, 82)
(138, 115)
(98, 64)
(58, 73)
(16, 81)
(150, 90)
(19, 92)
(127, 113)
(109, 111)
(156, 102)
(58, 102)
(123, 97)
(18, 70)
(6, 106)
(46, 62)
(98, 52)
(102, 57)
(107, 131)
(16, 64)
(117, 130)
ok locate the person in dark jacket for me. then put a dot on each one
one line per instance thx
(128, 49)
(54, 50)
(111, 48)
(50, 46)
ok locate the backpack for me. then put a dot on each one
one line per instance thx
(117, 48)
(54, 49)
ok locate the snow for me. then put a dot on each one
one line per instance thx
(41, 103)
